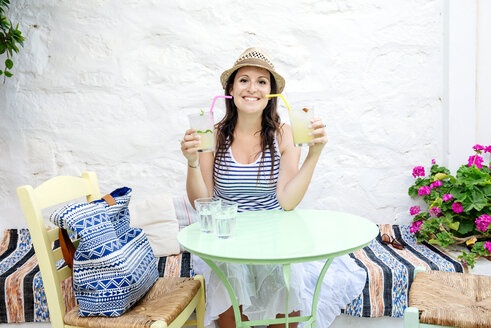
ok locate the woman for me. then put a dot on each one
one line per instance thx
(255, 165)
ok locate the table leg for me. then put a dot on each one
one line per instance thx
(287, 276)
(233, 298)
(317, 290)
(310, 320)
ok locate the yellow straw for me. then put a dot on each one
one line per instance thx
(279, 95)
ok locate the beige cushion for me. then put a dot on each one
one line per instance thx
(155, 214)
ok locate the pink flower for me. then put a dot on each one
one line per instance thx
(433, 161)
(435, 211)
(425, 190)
(482, 222)
(447, 197)
(414, 210)
(478, 147)
(457, 207)
(418, 171)
(437, 183)
(487, 245)
(477, 160)
(487, 149)
(415, 226)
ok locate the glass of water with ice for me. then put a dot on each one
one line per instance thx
(224, 218)
(205, 207)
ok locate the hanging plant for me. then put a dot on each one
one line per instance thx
(9, 38)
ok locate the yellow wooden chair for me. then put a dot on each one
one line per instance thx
(169, 303)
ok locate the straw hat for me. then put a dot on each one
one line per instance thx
(254, 57)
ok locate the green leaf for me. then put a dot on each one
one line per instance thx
(459, 193)
(202, 113)
(454, 225)
(471, 176)
(444, 239)
(1, 72)
(9, 63)
(413, 191)
(440, 176)
(434, 241)
(466, 227)
(436, 203)
(8, 74)
(438, 169)
(487, 190)
(475, 200)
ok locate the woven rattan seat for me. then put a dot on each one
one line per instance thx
(168, 304)
(452, 299)
(164, 301)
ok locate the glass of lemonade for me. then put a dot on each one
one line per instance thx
(300, 120)
(205, 207)
(204, 125)
(224, 219)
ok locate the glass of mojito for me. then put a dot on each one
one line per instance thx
(204, 124)
(300, 120)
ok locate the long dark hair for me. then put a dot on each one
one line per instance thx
(270, 124)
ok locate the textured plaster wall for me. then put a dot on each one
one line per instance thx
(105, 86)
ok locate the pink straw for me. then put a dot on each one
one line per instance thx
(215, 99)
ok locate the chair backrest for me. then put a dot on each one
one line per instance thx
(33, 200)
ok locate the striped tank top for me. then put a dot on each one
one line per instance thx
(239, 182)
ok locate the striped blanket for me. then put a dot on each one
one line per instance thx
(21, 286)
(389, 271)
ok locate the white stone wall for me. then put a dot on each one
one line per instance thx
(105, 86)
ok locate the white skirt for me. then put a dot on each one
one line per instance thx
(261, 291)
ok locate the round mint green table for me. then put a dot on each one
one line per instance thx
(281, 237)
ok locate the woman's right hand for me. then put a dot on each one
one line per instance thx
(189, 146)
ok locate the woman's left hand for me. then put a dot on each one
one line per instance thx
(319, 133)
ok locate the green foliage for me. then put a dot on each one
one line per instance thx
(466, 227)
(468, 258)
(455, 206)
(10, 37)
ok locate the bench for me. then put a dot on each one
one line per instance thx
(390, 273)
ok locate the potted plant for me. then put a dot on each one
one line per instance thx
(459, 207)
(9, 38)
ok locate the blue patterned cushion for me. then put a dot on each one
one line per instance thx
(114, 265)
